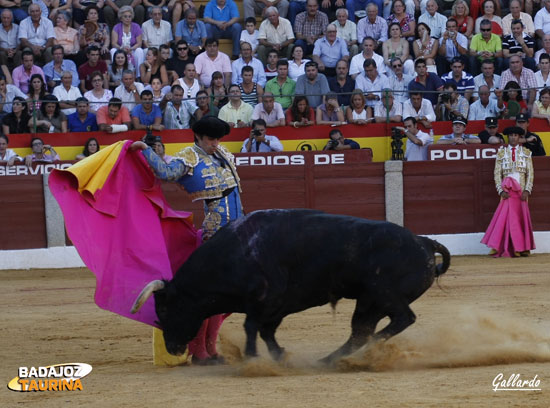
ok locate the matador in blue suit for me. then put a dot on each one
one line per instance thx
(207, 172)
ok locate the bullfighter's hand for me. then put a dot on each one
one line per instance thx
(139, 145)
(505, 195)
(524, 195)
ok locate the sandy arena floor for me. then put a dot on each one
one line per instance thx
(490, 316)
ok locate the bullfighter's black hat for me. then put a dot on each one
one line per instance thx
(211, 126)
(514, 130)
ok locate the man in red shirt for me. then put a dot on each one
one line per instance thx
(113, 118)
(92, 65)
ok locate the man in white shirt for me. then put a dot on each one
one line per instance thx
(258, 141)
(356, 65)
(517, 14)
(275, 33)
(436, 21)
(129, 90)
(417, 140)
(542, 20)
(37, 33)
(371, 82)
(346, 30)
(486, 107)
(399, 81)
(419, 108)
(66, 93)
(156, 31)
(269, 111)
(487, 77)
(451, 44)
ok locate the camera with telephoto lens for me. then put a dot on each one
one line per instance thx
(445, 98)
(332, 144)
(151, 139)
(397, 136)
(256, 132)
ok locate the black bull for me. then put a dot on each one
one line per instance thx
(272, 263)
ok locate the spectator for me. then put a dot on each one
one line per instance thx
(217, 90)
(300, 114)
(82, 120)
(530, 140)
(236, 113)
(544, 50)
(10, 55)
(451, 104)
(458, 137)
(55, 68)
(247, 59)
(65, 35)
(253, 7)
(519, 43)
(373, 25)
(542, 77)
(296, 66)
(419, 108)
(417, 140)
(119, 65)
(129, 91)
(49, 118)
(158, 90)
(405, 19)
(510, 232)
(424, 46)
(115, 6)
(98, 95)
(338, 142)
(147, 116)
(114, 117)
(93, 33)
(523, 76)
(37, 92)
(461, 13)
(250, 34)
(329, 50)
(309, 26)
(221, 18)
(329, 113)
(513, 101)
(188, 82)
(258, 141)
(485, 45)
(371, 83)
(251, 92)
(356, 112)
(39, 154)
(177, 111)
(37, 33)
(399, 82)
(342, 83)
(153, 68)
(388, 109)
(7, 155)
(541, 107)
(347, 31)
(8, 93)
(269, 111)
(156, 31)
(17, 12)
(66, 93)
(90, 147)
(92, 65)
(356, 65)
(192, 31)
(485, 106)
(295, 7)
(313, 85)
(356, 8)
(275, 33)
(175, 66)
(434, 20)
(517, 14)
(490, 135)
(425, 81)
(17, 121)
(542, 20)
(204, 107)
(464, 82)
(271, 66)
(488, 78)
(160, 150)
(489, 7)
(452, 44)
(127, 35)
(22, 74)
(211, 61)
(397, 47)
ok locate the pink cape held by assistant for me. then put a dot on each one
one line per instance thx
(510, 230)
(122, 227)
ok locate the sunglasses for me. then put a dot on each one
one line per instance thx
(485, 29)
(182, 48)
(397, 66)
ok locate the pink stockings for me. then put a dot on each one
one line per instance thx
(204, 344)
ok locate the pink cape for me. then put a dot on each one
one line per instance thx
(125, 232)
(510, 229)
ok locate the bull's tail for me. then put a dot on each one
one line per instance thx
(441, 268)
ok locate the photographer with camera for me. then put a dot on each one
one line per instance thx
(451, 104)
(337, 142)
(258, 141)
(417, 140)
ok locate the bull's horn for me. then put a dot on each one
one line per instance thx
(146, 294)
